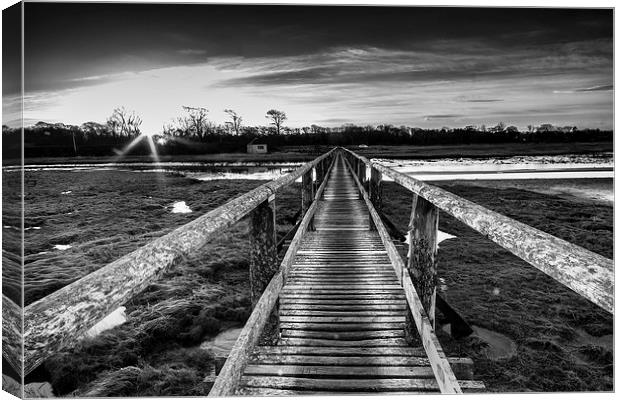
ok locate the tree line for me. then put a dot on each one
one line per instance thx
(194, 133)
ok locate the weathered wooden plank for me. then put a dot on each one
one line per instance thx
(12, 334)
(348, 385)
(587, 273)
(341, 319)
(389, 356)
(345, 302)
(336, 327)
(370, 287)
(342, 296)
(310, 277)
(311, 312)
(359, 335)
(344, 351)
(270, 392)
(387, 342)
(314, 279)
(338, 292)
(339, 371)
(346, 307)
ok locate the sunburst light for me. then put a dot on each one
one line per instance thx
(142, 136)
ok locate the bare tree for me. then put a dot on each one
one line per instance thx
(277, 119)
(236, 120)
(123, 122)
(196, 121)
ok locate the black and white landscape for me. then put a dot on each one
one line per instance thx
(141, 125)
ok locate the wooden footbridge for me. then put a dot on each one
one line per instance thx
(341, 311)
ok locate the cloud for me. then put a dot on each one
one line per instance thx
(441, 116)
(440, 61)
(600, 88)
(605, 88)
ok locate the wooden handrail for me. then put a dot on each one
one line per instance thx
(229, 377)
(61, 318)
(12, 333)
(587, 273)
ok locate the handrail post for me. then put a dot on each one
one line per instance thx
(361, 174)
(264, 261)
(374, 189)
(422, 259)
(307, 195)
(318, 172)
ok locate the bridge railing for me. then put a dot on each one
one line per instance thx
(585, 272)
(61, 318)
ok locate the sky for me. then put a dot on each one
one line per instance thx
(325, 65)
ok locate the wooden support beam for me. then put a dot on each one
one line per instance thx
(307, 195)
(375, 188)
(421, 259)
(264, 260)
(307, 192)
(374, 191)
(362, 173)
(459, 328)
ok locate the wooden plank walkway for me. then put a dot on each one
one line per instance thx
(342, 312)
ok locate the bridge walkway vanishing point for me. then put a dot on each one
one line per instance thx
(342, 311)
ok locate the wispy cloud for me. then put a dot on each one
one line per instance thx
(599, 88)
(441, 116)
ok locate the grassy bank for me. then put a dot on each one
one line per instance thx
(307, 153)
(562, 340)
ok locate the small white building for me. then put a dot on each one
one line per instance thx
(254, 147)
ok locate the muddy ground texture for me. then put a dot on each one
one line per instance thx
(563, 341)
